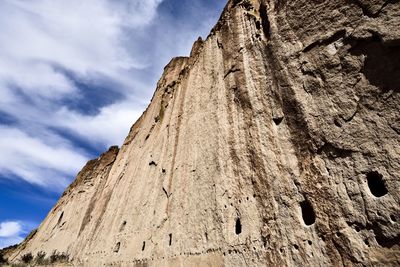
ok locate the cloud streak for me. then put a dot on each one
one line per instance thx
(75, 75)
(41, 43)
(36, 161)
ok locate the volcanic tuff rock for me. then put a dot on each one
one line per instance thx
(276, 143)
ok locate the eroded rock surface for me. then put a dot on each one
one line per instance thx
(276, 143)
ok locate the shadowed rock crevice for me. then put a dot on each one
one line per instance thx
(117, 247)
(381, 63)
(372, 8)
(266, 25)
(385, 239)
(60, 218)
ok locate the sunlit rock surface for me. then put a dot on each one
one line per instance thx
(276, 143)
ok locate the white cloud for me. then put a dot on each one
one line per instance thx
(114, 120)
(134, 13)
(41, 40)
(10, 229)
(43, 163)
(122, 43)
(13, 232)
(81, 36)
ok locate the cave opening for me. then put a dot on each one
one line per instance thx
(307, 212)
(278, 120)
(144, 245)
(238, 227)
(152, 163)
(266, 25)
(170, 239)
(376, 184)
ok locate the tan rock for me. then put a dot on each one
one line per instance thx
(276, 143)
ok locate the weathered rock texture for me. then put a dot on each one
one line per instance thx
(276, 143)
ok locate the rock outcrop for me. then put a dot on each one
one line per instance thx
(276, 143)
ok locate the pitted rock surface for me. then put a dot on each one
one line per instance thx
(276, 143)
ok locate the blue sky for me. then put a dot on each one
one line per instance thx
(74, 77)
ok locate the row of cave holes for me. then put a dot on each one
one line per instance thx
(307, 212)
(375, 184)
(118, 245)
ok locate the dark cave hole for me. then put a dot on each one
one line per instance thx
(307, 212)
(258, 25)
(170, 239)
(278, 120)
(337, 122)
(376, 184)
(382, 63)
(238, 227)
(152, 163)
(144, 245)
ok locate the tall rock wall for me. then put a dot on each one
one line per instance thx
(276, 143)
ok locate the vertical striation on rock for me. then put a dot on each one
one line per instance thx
(276, 143)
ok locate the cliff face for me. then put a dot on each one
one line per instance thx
(276, 143)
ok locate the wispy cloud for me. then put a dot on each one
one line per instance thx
(41, 44)
(76, 74)
(43, 163)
